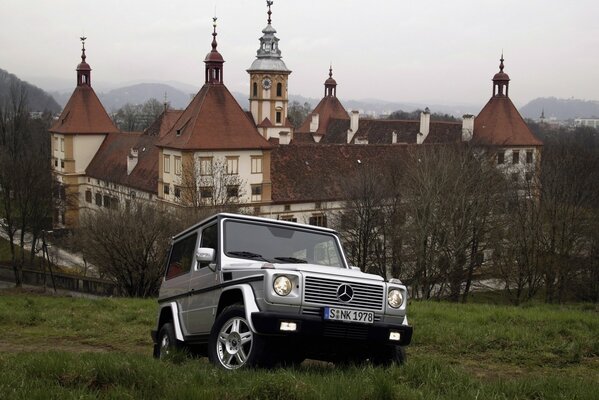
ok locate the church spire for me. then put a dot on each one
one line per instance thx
(330, 85)
(214, 61)
(501, 81)
(83, 69)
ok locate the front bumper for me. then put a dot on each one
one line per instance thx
(267, 323)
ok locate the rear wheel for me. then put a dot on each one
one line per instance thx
(167, 342)
(232, 343)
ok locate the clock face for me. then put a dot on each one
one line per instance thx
(266, 83)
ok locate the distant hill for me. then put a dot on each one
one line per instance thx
(37, 98)
(561, 109)
(141, 92)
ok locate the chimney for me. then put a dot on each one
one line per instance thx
(314, 123)
(284, 137)
(467, 127)
(131, 160)
(393, 137)
(354, 122)
(425, 125)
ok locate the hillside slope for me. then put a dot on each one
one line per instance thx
(37, 98)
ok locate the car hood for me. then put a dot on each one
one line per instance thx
(324, 270)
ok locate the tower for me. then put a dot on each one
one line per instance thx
(269, 78)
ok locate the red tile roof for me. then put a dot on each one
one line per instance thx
(110, 162)
(213, 121)
(500, 124)
(304, 173)
(163, 123)
(444, 132)
(328, 108)
(84, 114)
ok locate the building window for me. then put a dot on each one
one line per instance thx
(232, 165)
(529, 157)
(106, 201)
(317, 205)
(256, 165)
(177, 165)
(528, 176)
(256, 192)
(55, 143)
(318, 220)
(288, 218)
(61, 144)
(88, 196)
(500, 157)
(205, 166)
(206, 192)
(286, 207)
(177, 192)
(232, 191)
(114, 203)
(279, 89)
(167, 189)
(515, 156)
(56, 162)
(61, 163)
(278, 117)
(167, 164)
(255, 89)
(98, 199)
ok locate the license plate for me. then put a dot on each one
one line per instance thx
(342, 314)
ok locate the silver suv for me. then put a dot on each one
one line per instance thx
(248, 291)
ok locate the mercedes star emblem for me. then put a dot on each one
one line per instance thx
(345, 293)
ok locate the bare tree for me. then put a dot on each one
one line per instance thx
(25, 178)
(451, 193)
(128, 245)
(213, 188)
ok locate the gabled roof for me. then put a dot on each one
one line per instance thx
(328, 108)
(84, 114)
(500, 124)
(213, 121)
(444, 132)
(337, 131)
(380, 131)
(110, 162)
(312, 162)
(163, 123)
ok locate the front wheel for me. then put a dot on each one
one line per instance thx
(232, 343)
(390, 354)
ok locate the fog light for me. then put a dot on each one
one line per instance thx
(288, 326)
(394, 335)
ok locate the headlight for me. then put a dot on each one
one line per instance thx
(282, 286)
(394, 298)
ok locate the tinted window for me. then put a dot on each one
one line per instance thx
(181, 257)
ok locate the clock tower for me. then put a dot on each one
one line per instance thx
(268, 87)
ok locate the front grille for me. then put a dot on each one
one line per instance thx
(324, 292)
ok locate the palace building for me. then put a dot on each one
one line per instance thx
(213, 152)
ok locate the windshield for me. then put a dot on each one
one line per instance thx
(280, 244)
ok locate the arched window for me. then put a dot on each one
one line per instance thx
(255, 89)
(279, 89)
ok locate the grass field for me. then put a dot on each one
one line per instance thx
(63, 348)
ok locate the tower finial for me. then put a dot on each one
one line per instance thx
(269, 3)
(331, 70)
(214, 44)
(501, 62)
(83, 57)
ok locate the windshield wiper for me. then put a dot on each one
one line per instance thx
(291, 260)
(248, 254)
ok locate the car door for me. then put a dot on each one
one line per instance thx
(204, 287)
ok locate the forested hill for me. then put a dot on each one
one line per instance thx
(561, 109)
(37, 98)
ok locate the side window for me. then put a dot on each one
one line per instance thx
(209, 239)
(181, 257)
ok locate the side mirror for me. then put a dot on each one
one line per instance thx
(205, 255)
(354, 267)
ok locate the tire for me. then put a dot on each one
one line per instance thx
(167, 341)
(389, 355)
(232, 343)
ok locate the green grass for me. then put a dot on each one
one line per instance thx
(62, 348)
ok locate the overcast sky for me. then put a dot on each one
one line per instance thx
(435, 51)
